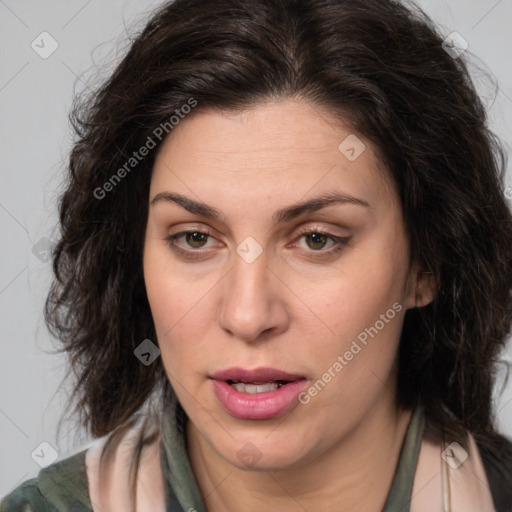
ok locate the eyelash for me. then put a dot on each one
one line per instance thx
(191, 254)
(340, 242)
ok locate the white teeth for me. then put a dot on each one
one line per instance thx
(264, 387)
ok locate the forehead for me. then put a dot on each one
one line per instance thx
(291, 147)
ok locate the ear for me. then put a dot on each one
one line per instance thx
(422, 287)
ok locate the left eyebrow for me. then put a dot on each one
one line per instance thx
(315, 204)
(283, 215)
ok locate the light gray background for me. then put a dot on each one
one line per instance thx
(35, 97)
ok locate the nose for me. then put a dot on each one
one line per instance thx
(253, 306)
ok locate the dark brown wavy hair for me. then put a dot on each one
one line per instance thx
(380, 65)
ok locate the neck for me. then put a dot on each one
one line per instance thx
(354, 474)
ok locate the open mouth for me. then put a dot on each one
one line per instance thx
(257, 387)
(257, 394)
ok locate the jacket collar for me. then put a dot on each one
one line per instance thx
(181, 490)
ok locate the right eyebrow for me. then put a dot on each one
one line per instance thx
(188, 204)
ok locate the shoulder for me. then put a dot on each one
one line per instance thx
(496, 454)
(62, 486)
(453, 475)
(110, 463)
(25, 498)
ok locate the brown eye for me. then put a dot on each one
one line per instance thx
(320, 243)
(193, 244)
(316, 240)
(196, 239)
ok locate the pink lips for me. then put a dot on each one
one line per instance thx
(257, 406)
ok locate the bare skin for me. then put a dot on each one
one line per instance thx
(297, 307)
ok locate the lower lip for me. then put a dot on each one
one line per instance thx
(258, 406)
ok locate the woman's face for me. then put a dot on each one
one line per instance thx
(278, 316)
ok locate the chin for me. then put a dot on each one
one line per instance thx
(264, 453)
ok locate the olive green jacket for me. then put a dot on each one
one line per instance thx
(63, 486)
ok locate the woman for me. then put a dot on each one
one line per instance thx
(284, 274)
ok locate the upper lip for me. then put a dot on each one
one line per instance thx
(261, 374)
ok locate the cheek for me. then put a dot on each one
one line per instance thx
(363, 308)
(171, 295)
(365, 288)
(355, 365)
(171, 301)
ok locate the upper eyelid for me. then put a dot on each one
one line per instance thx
(304, 231)
(207, 229)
